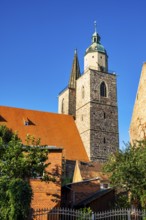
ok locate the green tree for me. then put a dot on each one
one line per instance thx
(18, 163)
(84, 213)
(127, 173)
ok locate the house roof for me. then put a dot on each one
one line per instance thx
(83, 189)
(94, 196)
(53, 129)
(91, 170)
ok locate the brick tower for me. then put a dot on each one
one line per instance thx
(95, 102)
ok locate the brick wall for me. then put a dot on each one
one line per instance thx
(76, 192)
(48, 195)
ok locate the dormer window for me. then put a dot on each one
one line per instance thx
(26, 123)
(2, 119)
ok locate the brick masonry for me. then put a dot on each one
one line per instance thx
(48, 195)
(76, 192)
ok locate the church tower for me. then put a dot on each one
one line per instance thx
(96, 113)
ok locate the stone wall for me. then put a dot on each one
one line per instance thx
(72, 102)
(97, 116)
(86, 138)
(110, 80)
(63, 99)
(96, 61)
(103, 116)
(83, 90)
(83, 109)
(138, 121)
(103, 144)
(67, 102)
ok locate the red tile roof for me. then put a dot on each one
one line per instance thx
(92, 170)
(53, 129)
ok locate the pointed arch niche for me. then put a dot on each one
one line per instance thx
(83, 92)
(62, 106)
(103, 89)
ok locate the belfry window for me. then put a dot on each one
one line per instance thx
(103, 90)
(62, 106)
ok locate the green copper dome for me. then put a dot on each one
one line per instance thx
(96, 46)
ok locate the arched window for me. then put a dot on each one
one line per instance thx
(83, 92)
(103, 90)
(62, 106)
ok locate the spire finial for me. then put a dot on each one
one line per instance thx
(75, 52)
(95, 26)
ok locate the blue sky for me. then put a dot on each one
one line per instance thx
(37, 42)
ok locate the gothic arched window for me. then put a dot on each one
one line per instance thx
(103, 90)
(62, 106)
(83, 92)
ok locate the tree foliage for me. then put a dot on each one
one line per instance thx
(18, 163)
(15, 200)
(85, 213)
(127, 171)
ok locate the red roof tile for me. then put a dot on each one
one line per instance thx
(92, 170)
(53, 129)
